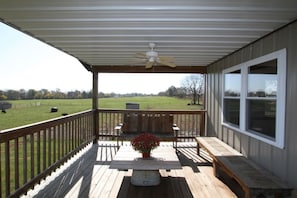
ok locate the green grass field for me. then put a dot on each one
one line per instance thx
(30, 111)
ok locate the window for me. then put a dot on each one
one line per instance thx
(254, 98)
(232, 97)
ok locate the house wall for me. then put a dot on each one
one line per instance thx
(282, 162)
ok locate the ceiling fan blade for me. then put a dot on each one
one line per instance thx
(140, 55)
(167, 63)
(149, 64)
(167, 58)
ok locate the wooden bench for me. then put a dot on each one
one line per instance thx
(159, 124)
(254, 180)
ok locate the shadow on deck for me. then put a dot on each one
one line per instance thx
(88, 175)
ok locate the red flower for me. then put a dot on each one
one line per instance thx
(145, 142)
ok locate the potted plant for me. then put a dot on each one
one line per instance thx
(144, 143)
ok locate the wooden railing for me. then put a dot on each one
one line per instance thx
(30, 153)
(191, 123)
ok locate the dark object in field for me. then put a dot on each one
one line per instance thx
(130, 105)
(64, 114)
(54, 109)
(4, 106)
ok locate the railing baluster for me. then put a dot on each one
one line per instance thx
(188, 124)
(25, 168)
(63, 139)
(72, 132)
(67, 137)
(88, 125)
(7, 168)
(54, 144)
(44, 149)
(80, 130)
(59, 141)
(109, 123)
(112, 123)
(32, 158)
(38, 153)
(16, 164)
(77, 130)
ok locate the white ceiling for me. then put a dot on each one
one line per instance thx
(104, 33)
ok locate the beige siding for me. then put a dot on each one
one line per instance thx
(281, 162)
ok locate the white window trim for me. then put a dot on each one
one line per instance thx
(281, 57)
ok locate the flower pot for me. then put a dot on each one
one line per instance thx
(146, 155)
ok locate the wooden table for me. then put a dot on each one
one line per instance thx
(145, 171)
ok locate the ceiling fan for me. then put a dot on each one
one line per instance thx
(152, 57)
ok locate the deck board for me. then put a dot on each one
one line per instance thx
(88, 175)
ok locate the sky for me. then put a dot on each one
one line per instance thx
(27, 63)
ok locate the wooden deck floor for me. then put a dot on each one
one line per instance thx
(88, 175)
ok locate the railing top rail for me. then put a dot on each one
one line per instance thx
(152, 111)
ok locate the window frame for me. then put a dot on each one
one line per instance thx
(280, 56)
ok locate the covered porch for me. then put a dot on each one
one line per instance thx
(204, 37)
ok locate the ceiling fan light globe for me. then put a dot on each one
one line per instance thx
(151, 54)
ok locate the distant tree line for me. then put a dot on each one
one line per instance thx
(112, 95)
(42, 94)
(57, 94)
(193, 87)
